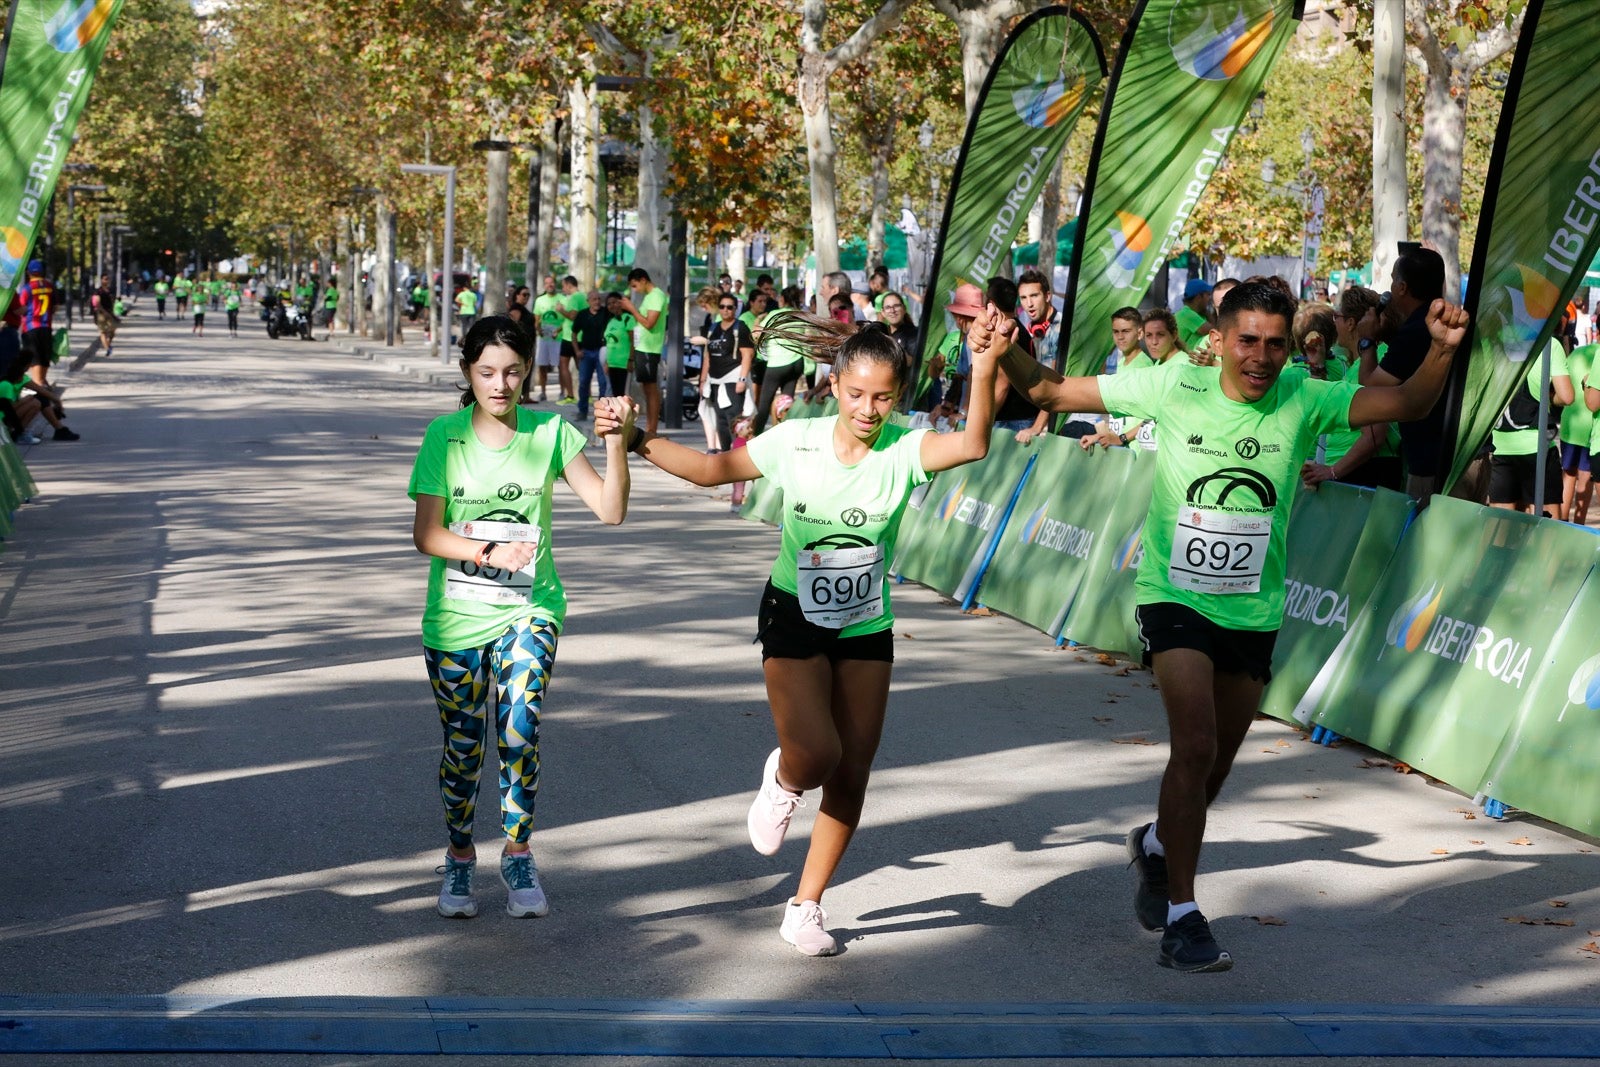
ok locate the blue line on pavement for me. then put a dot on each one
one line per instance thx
(507, 1026)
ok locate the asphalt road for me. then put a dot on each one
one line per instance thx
(218, 755)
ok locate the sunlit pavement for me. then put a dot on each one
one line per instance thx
(219, 781)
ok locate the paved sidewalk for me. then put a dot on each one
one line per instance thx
(218, 765)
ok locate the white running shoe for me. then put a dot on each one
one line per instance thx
(455, 895)
(772, 809)
(803, 928)
(526, 896)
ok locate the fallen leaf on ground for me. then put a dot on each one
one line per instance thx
(1470, 841)
(1594, 933)
(1123, 671)
(1370, 762)
(1441, 852)
(1591, 948)
(1522, 841)
(1138, 740)
(982, 612)
(909, 637)
(1283, 744)
(1105, 660)
(1309, 796)
(1270, 920)
(1469, 815)
(1110, 700)
(1462, 811)
(1101, 718)
(1081, 659)
(1403, 768)
(1558, 903)
(1270, 751)
(1523, 920)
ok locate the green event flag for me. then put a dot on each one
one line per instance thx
(1047, 72)
(1540, 225)
(54, 50)
(1185, 76)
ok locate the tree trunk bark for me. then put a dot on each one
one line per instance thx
(650, 238)
(430, 262)
(584, 225)
(549, 177)
(820, 151)
(1444, 130)
(1390, 211)
(382, 271)
(363, 318)
(497, 239)
(880, 192)
(981, 35)
(1050, 221)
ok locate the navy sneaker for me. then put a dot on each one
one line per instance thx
(1188, 945)
(1150, 896)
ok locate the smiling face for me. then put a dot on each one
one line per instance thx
(1255, 346)
(894, 310)
(867, 391)
(496, 379)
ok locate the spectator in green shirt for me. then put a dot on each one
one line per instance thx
(1193, 323)
(647, 303)
(571, 303)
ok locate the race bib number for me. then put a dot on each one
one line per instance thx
(466, 580)
(841, 587)
(1147, 436)
(1219, 552)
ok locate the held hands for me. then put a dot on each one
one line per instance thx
(614, 417)
(1447, 324)
(989, 336)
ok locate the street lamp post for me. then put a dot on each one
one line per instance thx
(446, 318)
(72, 259)
(1310, 194)
(117, 234)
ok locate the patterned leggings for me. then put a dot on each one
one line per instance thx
(521, 660)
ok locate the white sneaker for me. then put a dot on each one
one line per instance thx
(803, 928)
(455, 895)
(772, 809)
(526, 896)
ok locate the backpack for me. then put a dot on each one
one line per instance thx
(1523, 413)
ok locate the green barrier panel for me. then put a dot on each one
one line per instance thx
(763, 502)
(1341, 538)
(1060, 516)
(957, 517)
(1102, 612)
(1453, 637)
(14, 473)
(1549, 761)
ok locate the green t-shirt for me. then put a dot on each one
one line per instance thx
(119, 308)
(829, 506)
(1526, 442)
(162, 288)
(1226, 473)
(466, 302)
(217, 286)
(330, 297)
(510, 485)
(777, 352)
(653, 338)
(181, 286)
(418, 294)
(544, 309)
(573, 302)
(1577, 421)
(10, 390)
(231, 300)
(619, 341)
(1338, 443)
(1192, 326)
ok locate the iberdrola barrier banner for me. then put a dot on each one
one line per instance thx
(1047, 71)
(54, 51)
(955, 519)
(1461, 623)
(1549, 760)
(1540, 224)
(1102, 611)
(1185, 76)
(1059, 518)
(1341, 538)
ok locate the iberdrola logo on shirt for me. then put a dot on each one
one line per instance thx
(1215, 40)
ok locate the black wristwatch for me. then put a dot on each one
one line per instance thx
(1364, 344)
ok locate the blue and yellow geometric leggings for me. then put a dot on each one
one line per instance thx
(520, 661)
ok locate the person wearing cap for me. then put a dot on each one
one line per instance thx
(1194, 317)
(966, 304)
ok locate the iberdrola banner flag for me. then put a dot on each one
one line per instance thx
(55, 49)
(1048, 70)
(1540, 226)
(1185, 76)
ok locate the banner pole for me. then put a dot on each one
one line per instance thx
(1540, 460)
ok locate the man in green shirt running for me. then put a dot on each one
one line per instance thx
(161, 288)
(1211, 586)
(330, 306)
(647, 303)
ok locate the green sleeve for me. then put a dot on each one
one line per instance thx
(1136, 395)
(771, 451)
(1330, 407)
(569, 443)
(427, 474)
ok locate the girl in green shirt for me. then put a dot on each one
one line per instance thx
(825, 621)
(482, 485)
